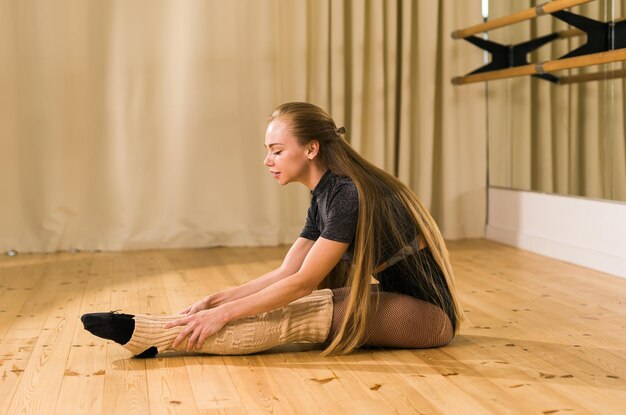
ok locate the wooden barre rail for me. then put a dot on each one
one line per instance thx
(545, 67)
(595, 76)
(546, 8)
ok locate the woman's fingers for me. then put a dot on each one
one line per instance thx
(193, 340)
(181, 336)
(203, 336)
(178, 322)
(191, 328)
(197, 326)
(191, 310)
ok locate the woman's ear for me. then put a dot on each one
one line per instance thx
(313, 148)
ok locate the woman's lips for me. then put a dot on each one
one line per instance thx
(275, 174)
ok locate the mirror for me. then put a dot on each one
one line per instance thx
(567, 138)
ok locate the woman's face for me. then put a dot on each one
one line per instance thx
(287, 160)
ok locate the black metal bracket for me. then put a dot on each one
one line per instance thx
(509, 56)
(618, 40)
(601, 37)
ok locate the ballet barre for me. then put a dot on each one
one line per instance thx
(544, 67)
(605, 43)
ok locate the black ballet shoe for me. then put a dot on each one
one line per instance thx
(149, 352)
(110, 326)
(114, 326)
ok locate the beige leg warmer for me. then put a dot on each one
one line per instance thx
(306, 320)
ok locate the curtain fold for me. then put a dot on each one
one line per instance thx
(136, 124)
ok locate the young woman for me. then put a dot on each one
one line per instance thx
(362, 223)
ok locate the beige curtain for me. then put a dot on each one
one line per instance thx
(567, 139)
(137, 124)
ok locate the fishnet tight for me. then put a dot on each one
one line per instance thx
(397, 320)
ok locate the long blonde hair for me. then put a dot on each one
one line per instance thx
(381, 198)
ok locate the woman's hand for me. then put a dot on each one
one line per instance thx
(201, 304)
(198, 327)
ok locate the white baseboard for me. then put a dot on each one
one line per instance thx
(586, 232)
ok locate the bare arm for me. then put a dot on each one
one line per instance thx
(291, 264)
(319, 261)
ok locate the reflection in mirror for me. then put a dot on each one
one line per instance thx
(567, 138)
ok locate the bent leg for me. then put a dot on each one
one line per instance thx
(397, 320)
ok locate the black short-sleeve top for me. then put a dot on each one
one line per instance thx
(334, 211)
(333, 214)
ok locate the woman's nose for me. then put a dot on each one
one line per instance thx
(268, 160)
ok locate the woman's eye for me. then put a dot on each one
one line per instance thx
(276, 153)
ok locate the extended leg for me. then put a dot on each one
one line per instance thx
(306, 320)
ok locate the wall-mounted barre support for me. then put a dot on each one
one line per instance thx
(545, 67)
(601, 36)
(509, 56)
(546, 8)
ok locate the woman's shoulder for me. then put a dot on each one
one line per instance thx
(343, 185)
(344, 181)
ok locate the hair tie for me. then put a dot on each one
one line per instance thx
(340, 130)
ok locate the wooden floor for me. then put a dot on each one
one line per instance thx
(545, 337)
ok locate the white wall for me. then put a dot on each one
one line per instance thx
(587, 232)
